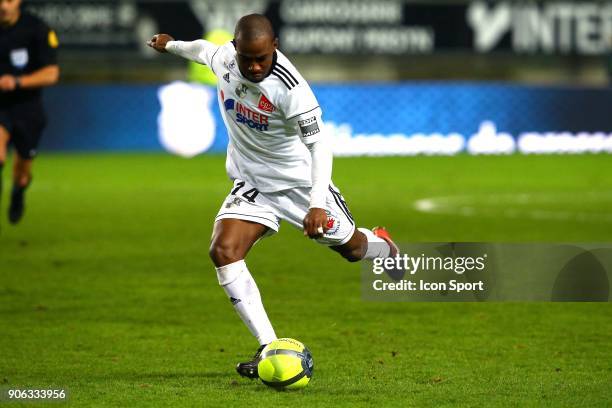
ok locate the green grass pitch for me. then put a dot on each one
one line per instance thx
(106, 288)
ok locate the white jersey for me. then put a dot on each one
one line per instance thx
(268, 122)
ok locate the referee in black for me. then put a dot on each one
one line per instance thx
(28, 62)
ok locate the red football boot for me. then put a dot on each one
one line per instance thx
(382, 233)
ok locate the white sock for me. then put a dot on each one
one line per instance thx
(240, 287)
(377, 247)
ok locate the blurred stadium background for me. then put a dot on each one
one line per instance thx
(500, 113)
(546, 65)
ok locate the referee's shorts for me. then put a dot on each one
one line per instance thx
(25, 122)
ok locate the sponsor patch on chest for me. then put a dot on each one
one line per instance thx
(244, 115)
(265, 104)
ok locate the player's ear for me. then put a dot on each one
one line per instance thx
(275, 43)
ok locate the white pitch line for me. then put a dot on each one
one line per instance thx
(514, 206)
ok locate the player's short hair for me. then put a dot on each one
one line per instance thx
(252, 27)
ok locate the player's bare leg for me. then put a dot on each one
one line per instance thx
(355, 249)
(366, 244)
(231, 241)
(22, 176)
(4, 139)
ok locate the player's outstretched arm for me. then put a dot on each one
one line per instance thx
(159, 41)
(200, 51)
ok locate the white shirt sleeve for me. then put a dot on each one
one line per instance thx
(321, 172)
(200, 51)
(303, 112)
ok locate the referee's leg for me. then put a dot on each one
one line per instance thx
(4, 139)
(22, 171)
(22, 176)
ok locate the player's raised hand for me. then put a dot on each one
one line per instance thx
(315, 223)
(159, 41)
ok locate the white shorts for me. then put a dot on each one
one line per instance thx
(244, 202)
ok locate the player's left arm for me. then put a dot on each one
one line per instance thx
(303, 112)
(310, 128)
(45, 47)
(315, 222)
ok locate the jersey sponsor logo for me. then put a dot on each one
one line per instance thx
(19, 57)
(52, 39)
(265, 104)
(309, 126)
(244, 115)
(226, 77)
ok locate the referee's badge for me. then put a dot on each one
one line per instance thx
(19, 57)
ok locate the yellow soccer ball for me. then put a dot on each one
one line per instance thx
(285, 364)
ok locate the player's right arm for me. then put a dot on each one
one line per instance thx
(200, 51)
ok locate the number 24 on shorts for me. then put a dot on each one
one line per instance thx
(249, 194)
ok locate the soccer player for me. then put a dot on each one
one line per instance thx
(280, 160)
(28, 62)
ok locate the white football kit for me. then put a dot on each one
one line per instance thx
(270, 124)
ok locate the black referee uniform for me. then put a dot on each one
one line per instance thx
(25, 47)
